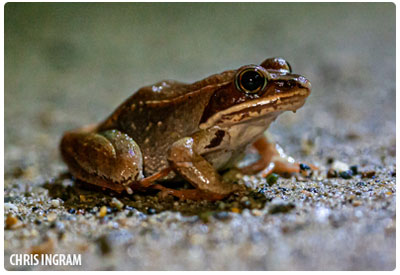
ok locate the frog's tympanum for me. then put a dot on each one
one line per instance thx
(172, 130)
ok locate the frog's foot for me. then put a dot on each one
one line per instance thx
(188, 194)
(83, 176)
(272, 160)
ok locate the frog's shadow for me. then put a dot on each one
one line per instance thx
(82, 197)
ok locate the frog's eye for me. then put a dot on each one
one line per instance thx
(250, 80)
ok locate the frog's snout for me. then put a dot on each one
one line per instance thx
(304, 82)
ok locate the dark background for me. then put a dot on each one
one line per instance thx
(74, 63)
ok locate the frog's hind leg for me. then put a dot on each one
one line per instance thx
(109, 159)
(272, 160)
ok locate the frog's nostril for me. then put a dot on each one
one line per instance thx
(304, 82)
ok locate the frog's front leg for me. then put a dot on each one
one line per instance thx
(185, 160)
(272, 160)
(110, 159)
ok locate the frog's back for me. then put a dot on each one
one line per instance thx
(163, 90)
(174, 90)
(166, 94)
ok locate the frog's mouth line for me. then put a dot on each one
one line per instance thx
(259, 108)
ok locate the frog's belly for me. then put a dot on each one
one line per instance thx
(225, 159)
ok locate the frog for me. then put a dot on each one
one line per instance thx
(178, 131)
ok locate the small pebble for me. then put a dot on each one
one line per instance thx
(368, 174)
(117, 203)
(129, 190)
(81, 211)
(244, 199)
(361, 183)
(221, 205)
(235, 210)
(354, 169)
(51, 217)
(272, 179)
(55, 203)
(331, 174)
(103, 211)
(72, 211)
(222, 215)
(11, 222)
(340, 166)
(151, 211)
(307, 193)
(10, 206)
(256, 212)
(346, 174)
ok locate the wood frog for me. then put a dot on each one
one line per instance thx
(172, 130)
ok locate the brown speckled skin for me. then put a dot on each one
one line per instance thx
(159, 115)
(155, 126)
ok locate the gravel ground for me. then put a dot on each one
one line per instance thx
(71, 64)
